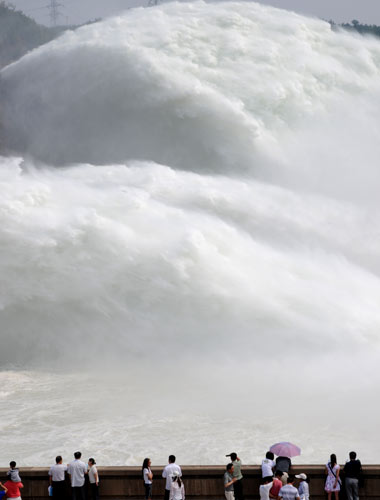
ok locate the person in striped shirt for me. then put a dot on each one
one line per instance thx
(289, 491)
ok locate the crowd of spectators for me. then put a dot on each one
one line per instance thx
(278, 483)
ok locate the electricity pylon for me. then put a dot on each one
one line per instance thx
(54, 11)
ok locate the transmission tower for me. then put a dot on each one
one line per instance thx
(54, 11)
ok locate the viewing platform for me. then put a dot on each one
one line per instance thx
(201, 482)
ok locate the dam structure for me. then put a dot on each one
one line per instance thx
(201, 482)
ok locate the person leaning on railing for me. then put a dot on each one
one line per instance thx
(353, 473)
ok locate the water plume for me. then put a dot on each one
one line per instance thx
(186, 211)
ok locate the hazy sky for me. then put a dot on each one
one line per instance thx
(76, 11)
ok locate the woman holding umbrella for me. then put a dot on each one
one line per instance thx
(284, 450)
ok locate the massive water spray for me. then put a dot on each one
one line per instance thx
(189, 207)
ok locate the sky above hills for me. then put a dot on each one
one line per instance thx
(78, 11)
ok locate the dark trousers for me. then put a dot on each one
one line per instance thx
(94, 491)
(148, 490)
(352, 488)
(238, 490)
(167, 494)
(59, 490)
(78, 492)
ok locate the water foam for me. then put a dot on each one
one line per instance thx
(230, 87)
(212, 228)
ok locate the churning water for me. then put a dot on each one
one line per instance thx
(189, 239)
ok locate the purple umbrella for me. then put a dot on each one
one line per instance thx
(285, 449)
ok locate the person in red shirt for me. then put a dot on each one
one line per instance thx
(13, 489)
(277, 485)
(3, 492)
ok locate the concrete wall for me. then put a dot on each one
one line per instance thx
(200, 482)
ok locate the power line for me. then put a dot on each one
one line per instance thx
(54, 11)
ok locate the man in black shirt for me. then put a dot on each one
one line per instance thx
(352, 470)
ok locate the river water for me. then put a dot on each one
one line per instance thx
(189, 228)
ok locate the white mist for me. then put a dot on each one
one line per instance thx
(189, 228)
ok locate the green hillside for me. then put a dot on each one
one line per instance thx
(19, 34)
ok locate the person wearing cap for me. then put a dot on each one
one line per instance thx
(289, 492)
(172, 469)
(303, 488)
(238, 485)
(229, 481)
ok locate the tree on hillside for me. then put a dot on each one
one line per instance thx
(19, 34)
(356, 26)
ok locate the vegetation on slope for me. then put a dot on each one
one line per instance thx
(19, 34)
(356, 26)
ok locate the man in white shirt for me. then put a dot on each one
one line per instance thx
(267, 465)
(264, 488)
(170, 470)
(289, 492)
(77, 469)
(57, 479)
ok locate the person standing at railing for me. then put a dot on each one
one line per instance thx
(229, 481)
(177, 488)
(353, 472)
(93, 477)
(333, 482)
(77, 470)
(238, 485)
(148, 478)
(13, 489)
(57, 479)
(303, 487)
(170, 470)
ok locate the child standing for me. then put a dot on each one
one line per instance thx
(177, 489)
(13, 473)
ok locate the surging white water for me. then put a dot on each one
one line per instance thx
(205, 245)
